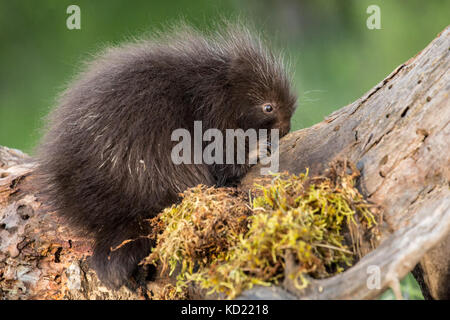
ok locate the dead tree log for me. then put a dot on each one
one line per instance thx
(398, 135)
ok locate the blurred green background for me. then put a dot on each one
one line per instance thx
(335, 56)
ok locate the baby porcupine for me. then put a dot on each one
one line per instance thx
(105, 163)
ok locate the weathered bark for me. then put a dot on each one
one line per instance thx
(398, 135)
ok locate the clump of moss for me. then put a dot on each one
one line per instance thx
(224, 247)
(169, 292)
(200, 229)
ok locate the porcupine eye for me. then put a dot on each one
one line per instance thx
(267, 108)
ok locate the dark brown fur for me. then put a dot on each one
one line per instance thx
(105, 161)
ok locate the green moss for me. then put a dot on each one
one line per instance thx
(200, 229)
(319, 223)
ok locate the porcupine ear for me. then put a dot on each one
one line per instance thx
(239, 70)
